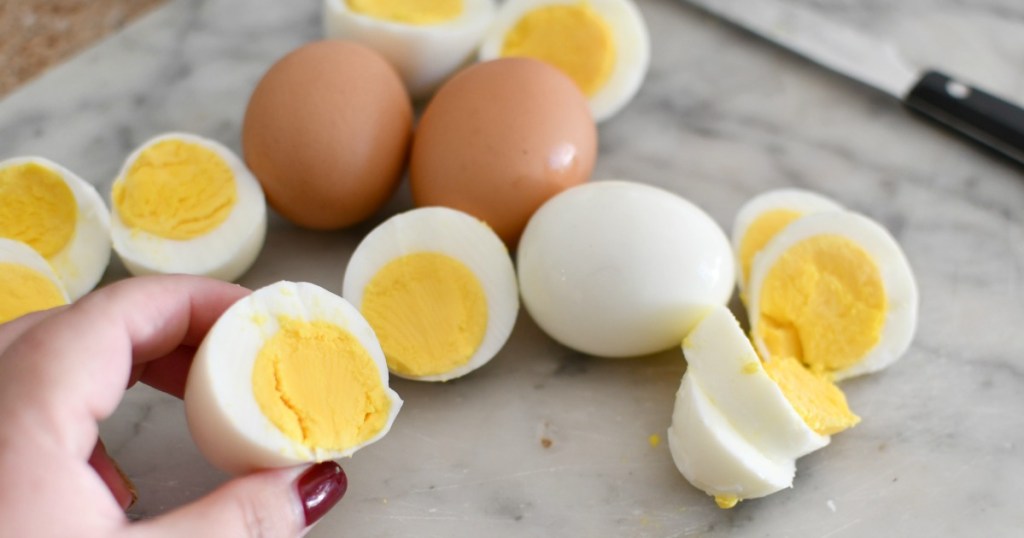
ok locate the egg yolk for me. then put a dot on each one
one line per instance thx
(726, 501)
(26, 290)
(319, 385)
(429, 312)
(572, 37)
(816, 399)
(823, 302)
(37, 208)
(415, 12)
(762, 230)
(176, 190)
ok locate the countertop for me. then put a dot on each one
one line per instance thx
(545, 441)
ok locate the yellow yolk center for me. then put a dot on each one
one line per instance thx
(176, 190)
(823, 302)
(319, 386)
(429, 312)
(25, 290)
(816, 399)
(572, 37)
(726, 501)
(37, 208)
(762, 230)
(417, 12)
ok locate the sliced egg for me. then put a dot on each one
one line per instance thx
(57, 213)
(290, 374)
(621, 269)
(27, 282)
(439, 289)
(425, 41)
(187, 204)
(766, 215)
(834, 291)
(603, 45)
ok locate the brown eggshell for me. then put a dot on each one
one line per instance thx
(326, 133)
(499, 139)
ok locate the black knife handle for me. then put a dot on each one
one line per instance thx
(970, 111)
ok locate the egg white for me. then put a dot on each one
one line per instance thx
(225, 252)
(423, 55)
(223, 415)
(897, 278)
(19, 253)
(82, 261)
(455, 234)
(632, 47)
(621, 269)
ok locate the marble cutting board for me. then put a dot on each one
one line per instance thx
(544, 441)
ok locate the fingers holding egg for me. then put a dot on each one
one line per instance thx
(27, 282)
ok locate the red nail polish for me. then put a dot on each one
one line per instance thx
(320, 488)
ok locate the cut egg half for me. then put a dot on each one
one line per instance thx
(187, 204)
(439, 289)
(289, 374)
(60, 215)
(425, 41)
(834, 291)
(603, 45)
(27, 282)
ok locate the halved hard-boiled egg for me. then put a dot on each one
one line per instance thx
(834, 291)
(51, 209)
(27, 282)
(439, 289)
(425, 41)
(290, 374)
(187, 204)
(739, 424)
(603, 45)
(767, 214)
(622, 269)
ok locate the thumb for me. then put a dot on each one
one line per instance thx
(281, 502)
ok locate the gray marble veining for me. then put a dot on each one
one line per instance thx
(544, 441)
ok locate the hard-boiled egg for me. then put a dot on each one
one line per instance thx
(603, 45)
(425, 41)
(439, 289)
(834, 291)
(59, 215)
(27, 282)
(187, 204)
(766, 215)
(290, 374)
(620, 269)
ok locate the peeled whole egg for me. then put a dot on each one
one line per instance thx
(326, 133)
(27, 282)
(187, 204)
(425, 41)
(51, 209)
(439, 289)
(620, 269)
(835, 291)
(500, 138)
(603, 45)
(287, 375)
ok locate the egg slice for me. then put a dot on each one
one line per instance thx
(439, 289)
(290, 374)
(766, 215)
(187, 204)
(603, 45)
(834, 291)
(59, 215)
(27, 282)
(425, 41)
(621, 269)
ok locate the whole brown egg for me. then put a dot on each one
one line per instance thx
(326, 132)
(500, 138)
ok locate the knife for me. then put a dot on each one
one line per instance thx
(963, 108)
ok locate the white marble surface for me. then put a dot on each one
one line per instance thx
(722, 116)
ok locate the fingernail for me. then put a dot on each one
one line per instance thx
(320, 488)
